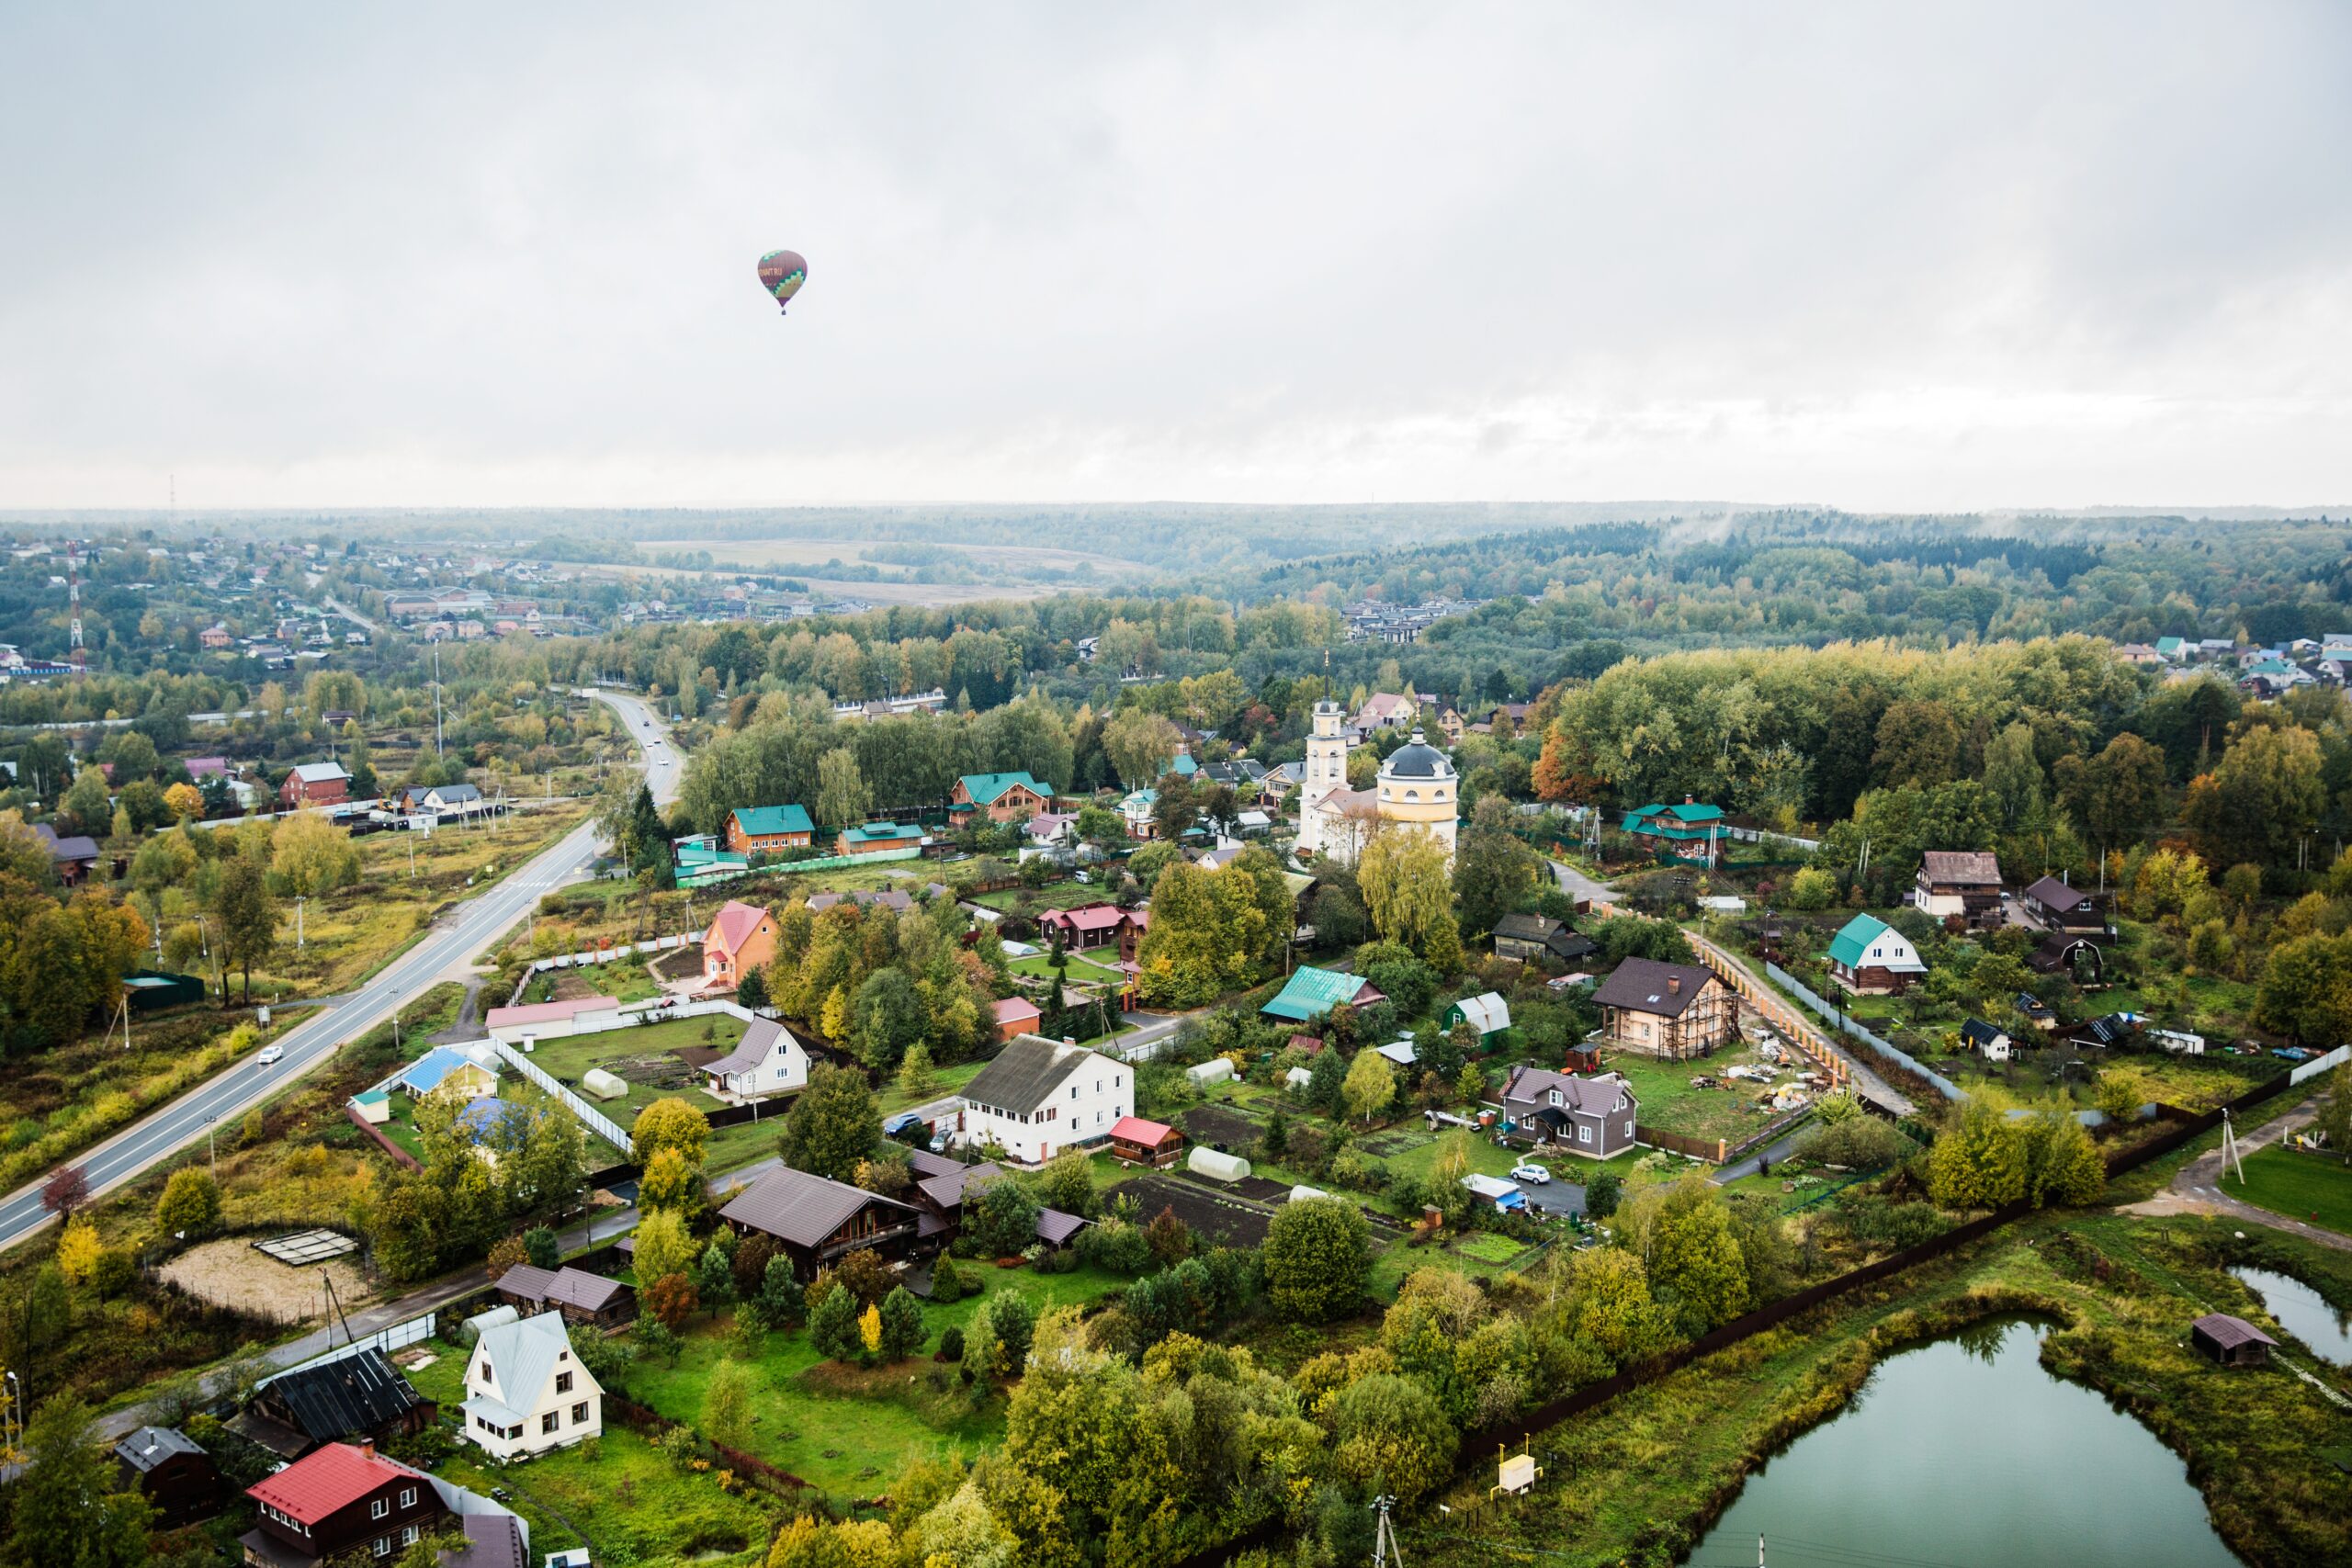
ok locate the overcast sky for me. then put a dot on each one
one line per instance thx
(498, 254)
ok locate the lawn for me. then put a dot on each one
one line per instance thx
(849, 1429)
(640, 1057)
(1670, 1103)
(2312, 1188)
(1037, 900)
(1094, 965)
(891, 1099)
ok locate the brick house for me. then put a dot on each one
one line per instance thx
(313, 783)
(1674, 1011)
(765, 830)
(742, 938)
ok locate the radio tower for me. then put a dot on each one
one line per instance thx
(76, 657)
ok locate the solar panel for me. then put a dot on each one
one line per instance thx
(299, 1249)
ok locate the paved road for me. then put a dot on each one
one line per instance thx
(354, 616)
(1581, 888)
(450, 943)
(2200, 1185)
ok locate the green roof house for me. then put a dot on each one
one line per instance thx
(1005, 797)
(766, 829)
(1686, 832)
(869, 836)
(2172, 647)
(1871, 958)
(1311, 992)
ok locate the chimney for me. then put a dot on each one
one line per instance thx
(1673, 985)
(368, 1446)
(1690, 800)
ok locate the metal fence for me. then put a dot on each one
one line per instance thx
(1839, 1018)
(2319, 1065)
(407, 1332)
(590, 1117)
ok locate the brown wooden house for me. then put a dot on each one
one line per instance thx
(1139, 1142)
(1959, 885)
(582, 1297)
(360, 1397)
(2232, 1341)
(169, 1469)
(1665, 1010)
(818, 1223)
(340, 1500)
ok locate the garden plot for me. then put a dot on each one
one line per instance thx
(654, 1060)
(1220, 1127)
(1225, 1220)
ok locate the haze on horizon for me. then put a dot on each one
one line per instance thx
(1868, 256)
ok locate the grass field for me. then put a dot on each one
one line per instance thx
(849, 1429)
(2312, 1188)
(351, 933)
(1037, 900)
(1670, 1103)
(891, 1099)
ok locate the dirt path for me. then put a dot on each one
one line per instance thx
(2197, 1189)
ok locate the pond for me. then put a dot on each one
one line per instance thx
(2304, 1311)
(1966, 1453)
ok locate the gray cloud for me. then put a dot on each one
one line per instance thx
(1863, 255)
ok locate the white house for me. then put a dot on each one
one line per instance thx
(766, 1061)
(526, 1393)
(1042, 1096)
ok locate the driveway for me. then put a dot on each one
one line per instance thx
(448, 944)
(2198, 1188)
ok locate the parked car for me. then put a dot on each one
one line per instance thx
(1533, 1174)
(270, 1054)
(899, 1126)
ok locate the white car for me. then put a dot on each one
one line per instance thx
(1535, 1174)
(270, 1054)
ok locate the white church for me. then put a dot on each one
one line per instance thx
(1416, 787)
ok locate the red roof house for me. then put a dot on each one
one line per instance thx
(337, 1498)
(1139, 1142)
(1014, 1016)
(1090, 925)
(742, 938)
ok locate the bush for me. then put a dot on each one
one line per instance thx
(191, 1203)
(1111, 1244)
(1858, 1143)
(1317, 1253)
(951, 1344)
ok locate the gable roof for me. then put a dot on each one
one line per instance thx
(1008, 1008)
(566, 1286)
(357, 1394)
(891, 834)
(2052, 894)
(2230, 1332)
(319, 772)
(946, 1190)
(1026, 1072)
(1135, 1130)
(800, 1207)
(1978, 1033)
(1641, 984)
(1309, 993)
(148, 1447)
(1969, 868)
(734, 924)
(77, 846)
(1857, 936)
(1086, 918)
(984, 788)
(1526, 928)
(332, 1477)
(760, 1037)
(1486, 1011)
(1054, 1227)
(1688, 813)
(763, 821)
(427, 1072)
(523, 1355)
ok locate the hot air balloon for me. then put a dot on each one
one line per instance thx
(781, 274)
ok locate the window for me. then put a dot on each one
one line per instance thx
(580, 1413)
(377, 1508)
(485, 1369)
(547, 1422)
(383, 1545)
(408, 1535)
(563, 1383)
(1584, 1134)
(1629, 1128)
(408, 1497)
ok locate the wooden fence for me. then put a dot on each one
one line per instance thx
(390, 1147)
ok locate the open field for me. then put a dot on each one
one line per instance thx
(351, 933)
(1010, 560)
(640, 1057)
(1035, 901)
(2312, 1188)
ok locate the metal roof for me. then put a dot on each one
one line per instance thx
(2230, 1332)
(1310, 993)
(801, 1208)
(763, 821)
(334, 1477)
(148, 1447)
(362, 1393)
(760, 1037)
(984, 788)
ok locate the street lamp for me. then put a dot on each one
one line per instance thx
(211, 1156)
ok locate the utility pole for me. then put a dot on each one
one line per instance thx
(2230, 1152)
(211, 1156)
(1384, 1540)
(436, 699)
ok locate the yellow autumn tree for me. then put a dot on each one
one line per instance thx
(869, 1329)
(77, 1250)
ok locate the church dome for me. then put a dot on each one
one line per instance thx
(1417, 760)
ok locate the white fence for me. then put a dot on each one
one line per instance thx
(385, 1339)
(590, 1117)
(2319, 1065)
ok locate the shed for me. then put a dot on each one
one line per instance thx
(1217, 1166)
(1216, 1070)
(1139, 1142)
(602, 1085)
(1487, 1012)
(374, 1105)
(2232, 1341)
